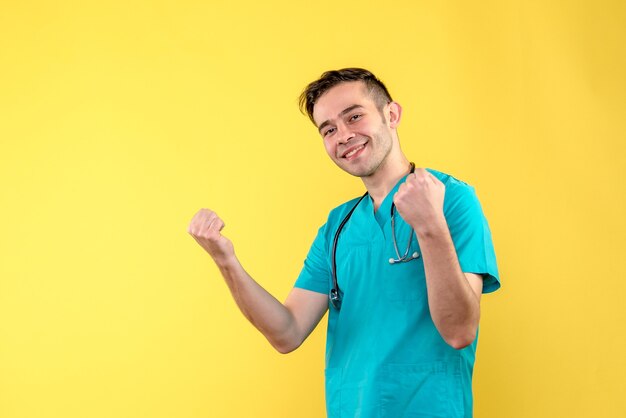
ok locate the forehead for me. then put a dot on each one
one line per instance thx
(340, 97)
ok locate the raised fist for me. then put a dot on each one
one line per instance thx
(205, 228)
(419, 200)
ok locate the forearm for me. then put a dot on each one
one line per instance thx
(263, 310)
(453, 304)
(284, 325)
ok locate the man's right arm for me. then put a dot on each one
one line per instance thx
(286, 325)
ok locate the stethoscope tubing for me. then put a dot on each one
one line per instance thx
(335, 295)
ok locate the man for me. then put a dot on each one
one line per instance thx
(405, 266)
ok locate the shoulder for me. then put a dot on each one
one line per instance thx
(458, 192)
(449, 180)
(335, 216)
(338, 213)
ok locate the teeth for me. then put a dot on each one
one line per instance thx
(351, 153)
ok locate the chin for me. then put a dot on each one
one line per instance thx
(357, 171)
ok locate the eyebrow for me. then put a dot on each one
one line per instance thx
(343, 112)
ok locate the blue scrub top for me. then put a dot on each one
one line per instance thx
(384, 356)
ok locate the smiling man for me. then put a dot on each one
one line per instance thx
(401, 268)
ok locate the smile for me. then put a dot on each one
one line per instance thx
(354, 151)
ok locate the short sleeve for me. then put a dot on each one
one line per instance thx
(316, 274)
(470, 233)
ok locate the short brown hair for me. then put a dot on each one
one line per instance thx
(330, 79)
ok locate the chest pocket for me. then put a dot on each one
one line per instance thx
(356, 273)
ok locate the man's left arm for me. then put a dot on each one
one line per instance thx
(453, 296)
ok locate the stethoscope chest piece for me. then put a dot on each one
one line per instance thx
(335, 297)
(405, 259)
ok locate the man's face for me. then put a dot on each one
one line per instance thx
(356, 136)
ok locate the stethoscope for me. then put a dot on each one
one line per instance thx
(336, 295)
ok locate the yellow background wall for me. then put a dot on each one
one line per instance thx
(118, 120)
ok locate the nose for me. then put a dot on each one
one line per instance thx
(344, 134)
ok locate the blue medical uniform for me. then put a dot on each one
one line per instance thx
(384, 356)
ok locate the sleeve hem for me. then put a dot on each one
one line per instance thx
(311, 288)
(491, 282)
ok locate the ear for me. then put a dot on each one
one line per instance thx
(395, 114)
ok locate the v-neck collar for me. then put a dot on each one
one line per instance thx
(383, 214)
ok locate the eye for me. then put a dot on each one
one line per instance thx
(355, 117)
(328, 132)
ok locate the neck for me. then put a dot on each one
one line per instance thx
(380, 183)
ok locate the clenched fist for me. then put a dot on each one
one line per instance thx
(205, 228)
(419, 201)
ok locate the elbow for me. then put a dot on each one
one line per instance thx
(460, 342)
(461, 334)
(285, 347)
(461, 339)
(287, 338)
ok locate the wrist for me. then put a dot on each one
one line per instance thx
(437, 227)
(226, 262)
